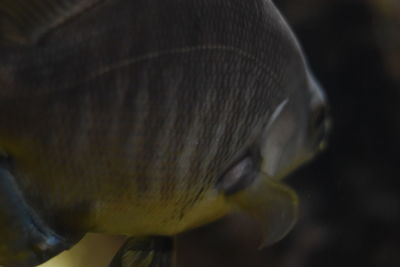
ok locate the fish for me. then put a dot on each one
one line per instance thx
(148, 118)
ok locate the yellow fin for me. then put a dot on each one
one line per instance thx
(272, 204)
(23, 22)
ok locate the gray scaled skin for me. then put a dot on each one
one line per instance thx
(147, 118)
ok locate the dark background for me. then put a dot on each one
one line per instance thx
(350, 194)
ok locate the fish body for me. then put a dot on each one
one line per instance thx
(126, 116)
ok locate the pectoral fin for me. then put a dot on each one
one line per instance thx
(25, 21)
(144, 252)
(272, 204)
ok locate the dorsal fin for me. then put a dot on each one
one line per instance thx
(24, 22)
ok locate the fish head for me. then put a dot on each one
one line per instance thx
(297, 129)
